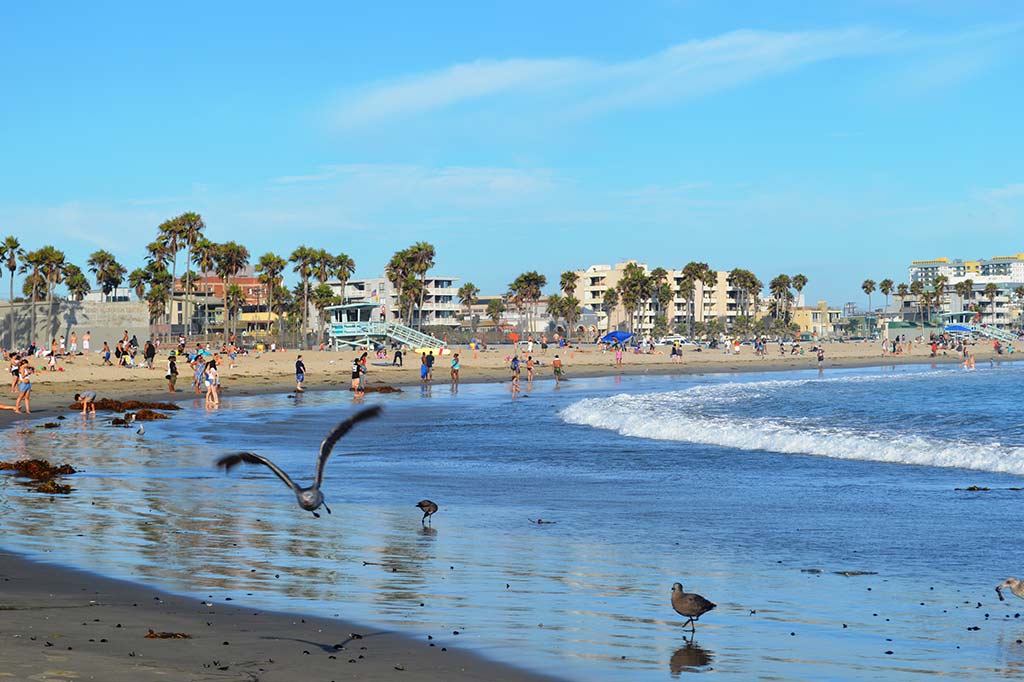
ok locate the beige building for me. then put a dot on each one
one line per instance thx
(819, 320)
(719, 301)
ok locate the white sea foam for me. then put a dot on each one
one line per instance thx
(676, 416)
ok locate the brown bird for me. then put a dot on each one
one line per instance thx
(1016, 586)
(693, 606)
(428, 508)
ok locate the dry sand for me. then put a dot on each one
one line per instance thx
(60, 624)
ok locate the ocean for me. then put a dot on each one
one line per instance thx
(825, 514)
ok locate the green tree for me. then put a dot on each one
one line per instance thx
(468, 295)
(76, 282)
(886, 287)
(190, 232)
(868, 286)
(902, 290)
(52, 269)
(917, 291)
(693, 272)
(526, 291)
(323, 296)
(991, 293)
(421, 256)
(203, 257)
(779, 288)
(137, 281)
(398, 271)
(567, 282)
(344, 267)
(230, 259)
(799, 281)
(270, 268)
(234, 301)
(609, 303)
(11, 254)
(570, 313)
(495, 309)
(108, 272)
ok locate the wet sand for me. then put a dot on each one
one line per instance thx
(61, 624)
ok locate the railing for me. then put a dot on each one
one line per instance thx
(363, 331)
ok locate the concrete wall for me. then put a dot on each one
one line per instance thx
(106, 321)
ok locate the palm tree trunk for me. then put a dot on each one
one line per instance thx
(305, 309)
(10, 313)
(423, 291)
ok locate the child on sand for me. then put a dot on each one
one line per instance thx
(88, 400)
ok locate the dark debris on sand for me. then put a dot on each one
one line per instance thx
(110, 405)
(41, 475)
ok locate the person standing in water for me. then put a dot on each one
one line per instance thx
(300, 374)
(88, 400)
(455, 372)
(556, 366)
(172, 372)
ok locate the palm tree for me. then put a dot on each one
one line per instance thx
(991, 292)
(917, 290)
(526, 291)
(234, 300)
(323, 296)
(343, 269)
(799, 282)
(52, 269)
(554, 307)
(397, 272)
(422, 259)
(11, 253)
(693, 272)
(109, 273)
(76, 282)
(901, 293)
(495, 309)
(137, 280)
(634, 289)
(868, 286)
(304, 259)
(32, 264)
(939, 290)
(170, 233)
(1018, 293)
(571, 312)
(567, 282)
(609, 302)
(203, 257)
(886, 287)
(230, 259)
(270, 268)
(780, 292)
(468, 294)
(190, 232)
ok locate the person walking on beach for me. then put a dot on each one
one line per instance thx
(618, 356)
(88, 400)
(556, 366)
(106, 355)
(15, 362)
(423, 368)
(300, 374)
(149, 354)
(397, 358)
(74, 343)
(455, 372)
(529, 369)
(430, 366)
(212, 399)
(198, 366)
(514, 366)
(24, 385)
(172, 372)
(86, 338)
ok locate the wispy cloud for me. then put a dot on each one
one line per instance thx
(687, 69)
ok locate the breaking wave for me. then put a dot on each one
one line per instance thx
(707, 415)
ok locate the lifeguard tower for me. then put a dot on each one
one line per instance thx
(966, 324)
(360, 325)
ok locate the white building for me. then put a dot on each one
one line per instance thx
(440, 299)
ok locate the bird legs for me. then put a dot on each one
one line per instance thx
(693, 628)
(325, 507)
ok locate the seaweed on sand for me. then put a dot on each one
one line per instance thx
(110, 405)
(40, 475)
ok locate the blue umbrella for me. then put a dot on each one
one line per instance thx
(616, 337)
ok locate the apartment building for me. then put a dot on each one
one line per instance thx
(440, 299)
(819, 320)
(1005, 272)
(718, 301)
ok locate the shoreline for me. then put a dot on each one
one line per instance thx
(37, 595)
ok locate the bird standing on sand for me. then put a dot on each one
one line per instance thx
(309, 498)
(1016, 586)
(428, 508)
(693, 606)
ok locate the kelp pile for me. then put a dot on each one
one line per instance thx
(140, 416)
(40, 475)
(111, 405)
(381, 389)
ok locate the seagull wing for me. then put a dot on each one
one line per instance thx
(252, 458)
(335, 435)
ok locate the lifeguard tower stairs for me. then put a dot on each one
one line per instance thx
(353, 326)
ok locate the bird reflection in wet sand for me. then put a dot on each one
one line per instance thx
(309, 498)
(689, 658)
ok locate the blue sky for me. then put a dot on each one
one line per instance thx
(840, 140)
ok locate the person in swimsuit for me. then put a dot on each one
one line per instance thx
(357, 373)
(212, 399)
(86, 338)
(172, 372)
(556, 366)
(24, 386)
(455, 372)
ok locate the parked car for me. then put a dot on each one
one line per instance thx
(670, 340)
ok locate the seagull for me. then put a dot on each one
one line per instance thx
(309, 498)
(693, 606)
(428, 508)
(1016, 586)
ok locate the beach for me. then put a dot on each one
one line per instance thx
(384, 566)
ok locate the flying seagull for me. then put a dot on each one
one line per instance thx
(309, 498)
(428, 508)
(1015, 586)
(693, 606)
